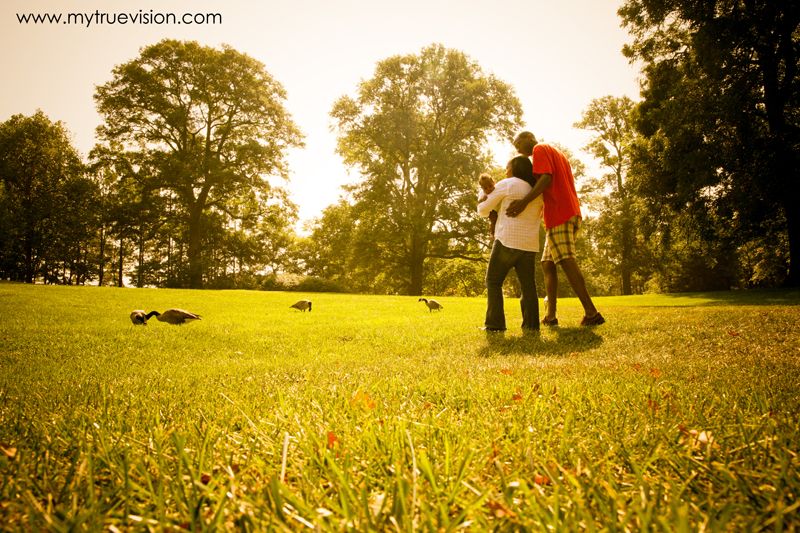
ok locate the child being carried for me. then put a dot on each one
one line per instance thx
(487, 186)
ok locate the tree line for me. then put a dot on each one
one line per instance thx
(699, 188)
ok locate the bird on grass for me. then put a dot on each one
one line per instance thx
(432, 304)
(302, 305)
(139, 317)
(174, 316)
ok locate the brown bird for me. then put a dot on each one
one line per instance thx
(139, 317)
(432, 304)
(302, 305)
(174, 316)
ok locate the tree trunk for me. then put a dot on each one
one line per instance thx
(627, 252)
(415, 286)
(793, 229)
(194, 251)
(169, 261)
(417, 265)
(140, 269)
(102, 258)
(120, 282)
(28, 259)
(627, 233)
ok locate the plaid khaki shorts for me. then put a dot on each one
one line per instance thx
(559, 242)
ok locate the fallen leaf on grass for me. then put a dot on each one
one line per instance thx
(495, 451)
(8, 451)
(652, 405)
(499, 509)
(332, 439)
(506, 371)
(205, 479)
(655, 373)
(733, 333)
(540, 479)
(517, 396)
(362, 399)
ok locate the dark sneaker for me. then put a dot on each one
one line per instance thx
(595, 320)
(551, 323)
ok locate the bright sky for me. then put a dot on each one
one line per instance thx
(557, 55)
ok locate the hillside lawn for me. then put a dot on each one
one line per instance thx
(681, 413)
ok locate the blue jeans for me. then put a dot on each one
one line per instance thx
(500, 262)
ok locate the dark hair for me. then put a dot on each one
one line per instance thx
(522, 168)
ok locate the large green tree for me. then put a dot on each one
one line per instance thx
(326, 252)
(610, 119)
(719, 116)
(417, 131)
(47, 202)
(209, 122)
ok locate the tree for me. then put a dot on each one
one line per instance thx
(417, 131)
(210, 123)
(719, 116)
(610, 118)
(133, 208)
(331, 251)
(44, 189)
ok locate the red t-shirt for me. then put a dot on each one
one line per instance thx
(560, 199)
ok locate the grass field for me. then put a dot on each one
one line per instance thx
(681, 413)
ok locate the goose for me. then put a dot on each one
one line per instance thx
(139, 317)
(432, 304)
(303, 305)
(174, 316)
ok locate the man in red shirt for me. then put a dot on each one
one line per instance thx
(562, 220)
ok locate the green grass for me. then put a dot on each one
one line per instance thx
(371, 413)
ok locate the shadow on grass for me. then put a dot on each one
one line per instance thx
(568, 341)
(737, 297)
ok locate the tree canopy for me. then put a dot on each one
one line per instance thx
(417, 132)
(719, 118)
(46, 201)
(206, 125)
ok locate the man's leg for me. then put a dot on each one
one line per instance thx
(551, 289)
(570, 266)
(563, 239)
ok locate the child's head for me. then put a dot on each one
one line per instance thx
(521, 167)
(486, 182)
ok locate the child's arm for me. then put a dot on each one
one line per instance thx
(491, 201)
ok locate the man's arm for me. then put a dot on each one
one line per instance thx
(518, 206)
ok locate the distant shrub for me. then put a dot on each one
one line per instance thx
(271, 283)
(315, 284)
